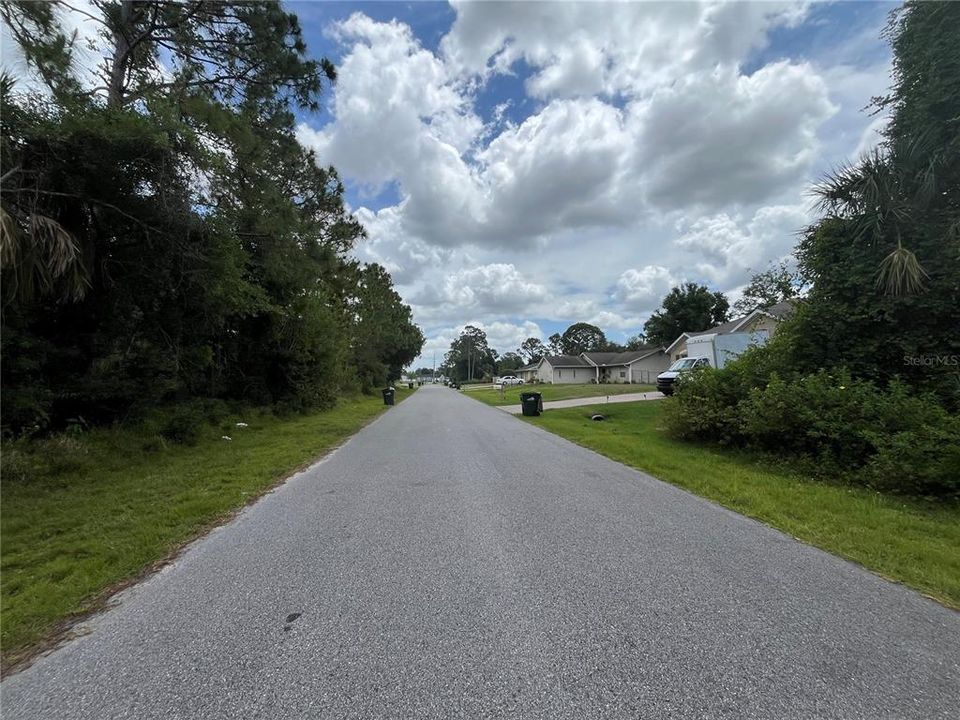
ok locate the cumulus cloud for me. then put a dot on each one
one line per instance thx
(723, 138)
(710, 138)
(642, 289)
(731, 247)
(495, 288)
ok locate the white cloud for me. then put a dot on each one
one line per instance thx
(731, 248)
(495, 288)
(642, 289)
(723, 138)
(705, 139)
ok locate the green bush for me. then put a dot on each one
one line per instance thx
(183, 424)
(839, 427)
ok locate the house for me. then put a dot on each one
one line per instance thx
(761, 323)
(527, 373)
(637, 366)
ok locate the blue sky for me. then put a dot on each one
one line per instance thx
(525, 166)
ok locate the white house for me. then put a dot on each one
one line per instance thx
(636, 366)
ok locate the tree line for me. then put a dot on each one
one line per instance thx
(165, 236)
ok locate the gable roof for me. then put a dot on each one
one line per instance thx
(567, 361)
(779, 311)
(531, 366)
(620, 358)
(681, 336)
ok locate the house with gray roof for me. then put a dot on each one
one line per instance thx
(636, 366)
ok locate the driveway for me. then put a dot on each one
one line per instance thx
(452, 561)
(579, 402)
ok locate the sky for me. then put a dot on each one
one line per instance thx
(524, 166)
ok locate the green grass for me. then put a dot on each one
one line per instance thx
(110, 503)
(511, 394)
(910, 541)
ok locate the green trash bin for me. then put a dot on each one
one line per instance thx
(531, 403)
(388, 396)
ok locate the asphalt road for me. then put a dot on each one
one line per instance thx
(454, 562)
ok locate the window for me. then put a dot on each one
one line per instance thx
(559, 374)
(623, 373)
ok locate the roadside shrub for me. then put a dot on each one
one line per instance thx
(834, 425)
(29, 460)
(704, 407)
(923, 461)
(824, 416)
(183, 425)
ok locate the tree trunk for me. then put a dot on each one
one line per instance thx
(121, 55)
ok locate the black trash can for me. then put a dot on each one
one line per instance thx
(531, 403)
(388, 396)
(409, 386)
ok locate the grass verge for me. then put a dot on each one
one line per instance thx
(905, 540)
(511, 393)
(112, 504)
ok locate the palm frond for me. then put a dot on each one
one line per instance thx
(900, 273)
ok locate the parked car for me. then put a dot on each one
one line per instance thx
(510, 380)
(667, 380)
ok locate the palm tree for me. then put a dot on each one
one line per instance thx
(888, 196)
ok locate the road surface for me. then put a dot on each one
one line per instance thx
(454, 562)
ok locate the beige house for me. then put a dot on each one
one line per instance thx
(637, 366)
(760, 322)
(528, 372)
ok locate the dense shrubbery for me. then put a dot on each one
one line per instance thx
(830, 423)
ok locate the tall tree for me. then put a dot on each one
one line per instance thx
(869, 308)
(509, 361)
(555, 344)
(775, 284)
(582, 337)
(385, 339)
(687, 308)
(908, 189)
(532, 349)
(164, 235)
(469, 357)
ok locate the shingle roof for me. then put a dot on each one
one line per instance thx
(620, 358)
(782, 309)
(531, 366)
(567, 361)
(779, 311)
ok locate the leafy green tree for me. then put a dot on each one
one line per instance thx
(636, 342)
(687, 308)
(532, 349)
(509, 361)
(909, 187)
(582, 337)
(165, 236)
(555, 344)
(775, 284)
(469, 357)
(385, 339)
(894, 313)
